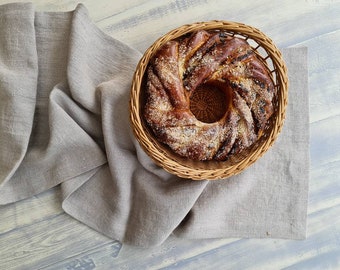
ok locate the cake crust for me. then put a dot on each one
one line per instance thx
(212, 61)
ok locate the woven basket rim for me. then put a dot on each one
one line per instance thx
(194, 169)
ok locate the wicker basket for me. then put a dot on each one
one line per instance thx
(211, 170)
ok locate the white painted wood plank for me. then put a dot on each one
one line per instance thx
(98, 258)
(47, 242)
(286, 22)
(324, 80)
(113, 256)
(30, 211)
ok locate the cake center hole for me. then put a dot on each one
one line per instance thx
(209, 102)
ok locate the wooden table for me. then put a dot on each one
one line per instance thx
(37, 234)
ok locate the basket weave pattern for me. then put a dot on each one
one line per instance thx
(211, 170)
(208, 104)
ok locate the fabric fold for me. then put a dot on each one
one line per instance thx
(55, 139)
(18, 80)
(64, 112)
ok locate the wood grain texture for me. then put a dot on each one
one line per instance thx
(44, 206)
(47, 242)
(36, 234)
